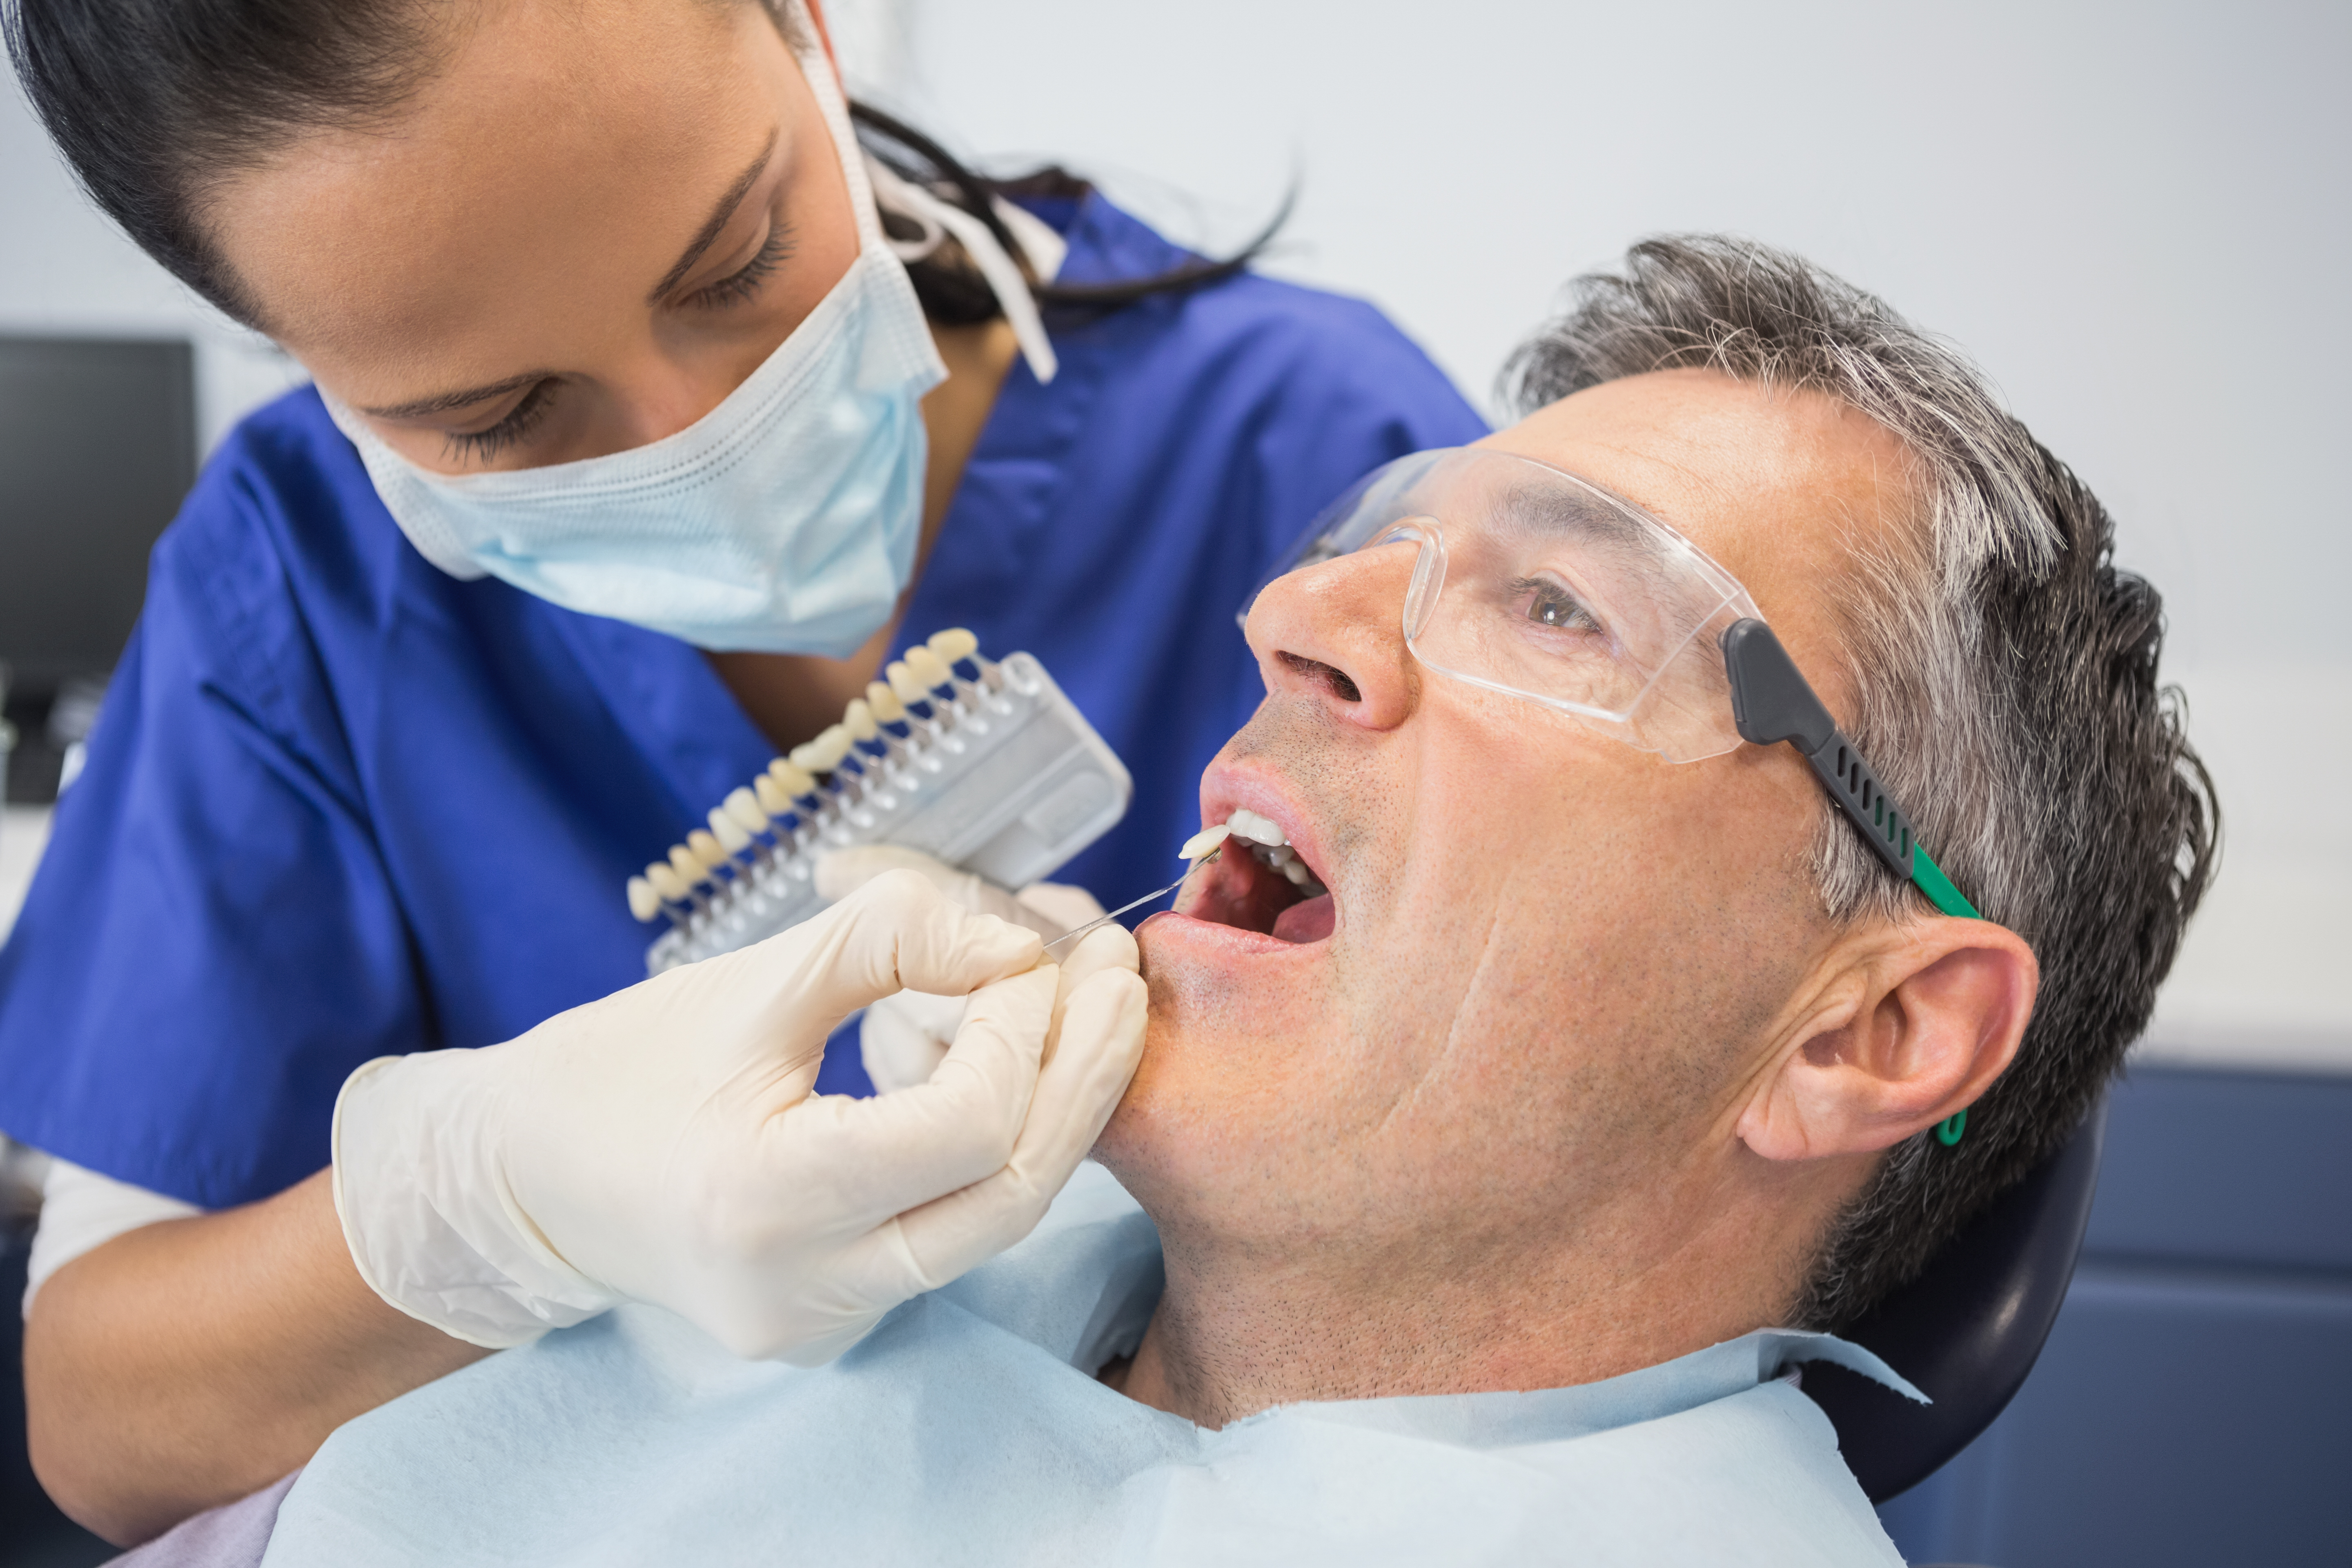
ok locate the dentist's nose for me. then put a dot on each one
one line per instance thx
(1333, 632)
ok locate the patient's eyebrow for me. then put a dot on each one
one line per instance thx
(1574, 513)
(719, 213)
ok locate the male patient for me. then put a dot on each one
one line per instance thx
(1614, 1043)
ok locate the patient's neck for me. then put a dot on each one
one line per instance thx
(1238, 1330)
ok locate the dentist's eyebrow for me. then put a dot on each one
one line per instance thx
(720, 215)
(443, 402)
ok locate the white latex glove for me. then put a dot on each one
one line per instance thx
(662, 1144)
(903, 1038)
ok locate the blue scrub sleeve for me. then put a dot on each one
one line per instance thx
(212, 943)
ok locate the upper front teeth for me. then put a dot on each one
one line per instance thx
(1248, 824)
(1271, 845)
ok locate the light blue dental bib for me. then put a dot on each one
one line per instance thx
(968, 1429)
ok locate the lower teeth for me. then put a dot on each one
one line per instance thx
(1283, 858)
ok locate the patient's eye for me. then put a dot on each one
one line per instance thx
(1549, 601)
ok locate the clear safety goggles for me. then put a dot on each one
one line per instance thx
(1537, 584)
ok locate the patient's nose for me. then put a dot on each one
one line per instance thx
(1335, 632)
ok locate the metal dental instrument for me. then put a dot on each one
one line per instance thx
(1148, 897)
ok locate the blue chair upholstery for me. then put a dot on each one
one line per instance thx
(1968, 1329)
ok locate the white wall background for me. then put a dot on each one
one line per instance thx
(2136, 216)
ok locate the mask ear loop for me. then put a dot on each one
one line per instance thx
(1001, 273)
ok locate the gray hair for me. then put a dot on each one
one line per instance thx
(2005, 688)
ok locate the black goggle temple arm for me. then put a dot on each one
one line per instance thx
(1771, 701)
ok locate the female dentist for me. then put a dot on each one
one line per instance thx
(652, 413)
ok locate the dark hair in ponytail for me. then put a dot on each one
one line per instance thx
(155, 103)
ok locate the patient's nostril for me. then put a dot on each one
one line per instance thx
(1315, 670)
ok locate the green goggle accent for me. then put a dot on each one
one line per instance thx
(1931, 880)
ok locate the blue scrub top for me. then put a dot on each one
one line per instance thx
(341, 806)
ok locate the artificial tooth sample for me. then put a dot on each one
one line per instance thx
(673, 888)
(859, 720)
(903, 683)
(744, 806)
(729, 833)
(705, 847)
(1201, 843)
(952, 643)
(1247, 824)
(795, 779)
(822, 754)
(928, 668)
(772, 797)
(644, 902)
(883, 703)
(690, 870)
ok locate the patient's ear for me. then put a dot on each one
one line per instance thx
(1915, 1024)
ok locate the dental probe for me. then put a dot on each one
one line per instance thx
(1147, 898)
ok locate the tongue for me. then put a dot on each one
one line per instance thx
(1310, 922)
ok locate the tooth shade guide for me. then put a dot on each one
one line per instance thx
(644, 901)
(665, 880)
(986, 764)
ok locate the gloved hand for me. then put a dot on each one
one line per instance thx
(903, 1037)
(662, 1144)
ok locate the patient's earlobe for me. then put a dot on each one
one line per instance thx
(1925, 1022)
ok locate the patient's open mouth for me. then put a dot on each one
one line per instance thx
(1260, 883)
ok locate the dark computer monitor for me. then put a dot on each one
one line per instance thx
(98, 445)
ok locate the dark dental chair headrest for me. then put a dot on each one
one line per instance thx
(1968, 1329)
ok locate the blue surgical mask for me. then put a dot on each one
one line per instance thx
(784, 521)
